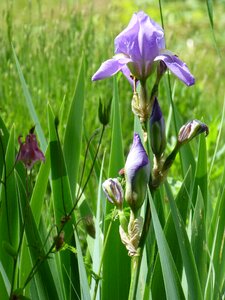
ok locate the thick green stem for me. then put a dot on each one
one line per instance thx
(135, 270)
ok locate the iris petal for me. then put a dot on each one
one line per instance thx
(109, 68)
(177, 67)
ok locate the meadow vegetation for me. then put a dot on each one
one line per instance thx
(58, 42)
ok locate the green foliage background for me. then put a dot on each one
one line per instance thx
(51, 39)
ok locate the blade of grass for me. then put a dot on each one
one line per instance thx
(73, 132)
(219, 255)
(44, 277)
(183, 202)
(198, 238)
(194, 287)
(117, 275)
(217, 141)
(4, 136)
(209, 5)
(7, 284)
(201, 178)
(62, 204)
(97, 252)
(85, 291)
(9, 214)
(210, 282)
(30, 104)
(39, 191)
(170, 274)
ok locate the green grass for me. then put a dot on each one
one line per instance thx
(58, 45)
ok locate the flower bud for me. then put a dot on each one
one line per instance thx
(113, 191)
(104, 112)
(157, 130)
(137, 171)
(190, 130)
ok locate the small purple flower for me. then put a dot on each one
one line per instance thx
(137, 171)
(138, 48)
(113, 191)
(29, 152)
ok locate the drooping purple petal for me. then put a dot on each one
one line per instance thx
(110, 67)
(136, 159)
(126, 72)
(177, 67)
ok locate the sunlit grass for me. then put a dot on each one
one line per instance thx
(50, 38)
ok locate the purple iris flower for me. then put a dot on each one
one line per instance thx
(137, 170)
(138, 48)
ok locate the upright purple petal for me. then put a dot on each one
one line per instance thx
(177, 67)
(150, 37)
(127, 40)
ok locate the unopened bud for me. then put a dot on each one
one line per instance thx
(137, 170)
(157, 130)
(113, 191)
(104, 111)
(190, 130)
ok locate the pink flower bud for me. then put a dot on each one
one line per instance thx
(29, 152)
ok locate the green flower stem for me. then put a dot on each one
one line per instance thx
(85, 159)
(123, 220)
(135, 270)
(92, 167)
(136, 260)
